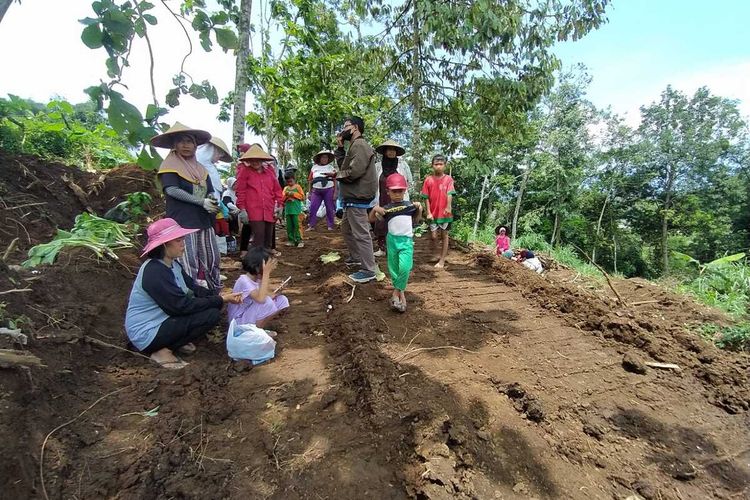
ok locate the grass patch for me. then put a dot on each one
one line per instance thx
(734, 338)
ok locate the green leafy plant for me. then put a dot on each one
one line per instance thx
(736, 337)
(137, 203)
(101, 236)
(723, 283)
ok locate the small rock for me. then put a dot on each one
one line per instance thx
(520, 487)
(534, 411)
(594, 430)
(484, 435)
(684, 472)
(646, 490)
(633, 364)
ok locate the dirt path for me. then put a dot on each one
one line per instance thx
(496, 384)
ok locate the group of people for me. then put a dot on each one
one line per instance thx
(177, 295)
(522, 255)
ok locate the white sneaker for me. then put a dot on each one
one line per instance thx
(379, 253)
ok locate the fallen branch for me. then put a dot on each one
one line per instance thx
(601, 270)
(354, 287)
(11, 357)
(16, 290)
(106, 344)
(642, 302)
(663, 366)
(44, 443)
(424, 349)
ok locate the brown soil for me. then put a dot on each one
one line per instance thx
(497, 383)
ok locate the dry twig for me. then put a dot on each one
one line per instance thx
(16, 290)
(354, 286)
(601, 270)
(44, 443)
(424, 349)
(10, 248)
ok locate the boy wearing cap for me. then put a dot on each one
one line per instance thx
(400, 215)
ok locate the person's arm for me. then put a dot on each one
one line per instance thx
(159, 283)
(376, 210)
(451, 192)
(261, 293)
(240, 188)
(298, 194)
(417, 216)
(425, 195)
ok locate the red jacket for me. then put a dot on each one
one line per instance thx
(258, 193)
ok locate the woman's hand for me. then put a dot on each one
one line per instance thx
(232, 298)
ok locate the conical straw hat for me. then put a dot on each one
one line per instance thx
(255, 153)
(316, 158)
(227, 156)
(390, 143)
(166, 140)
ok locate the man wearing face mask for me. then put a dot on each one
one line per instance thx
(358, 183)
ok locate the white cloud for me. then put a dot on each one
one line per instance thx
(730, 80)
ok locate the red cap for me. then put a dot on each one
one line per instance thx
(242, 148)
(396, 181)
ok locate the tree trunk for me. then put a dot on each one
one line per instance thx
(665, 220)
(555, 228)
(4, 4)
(240, 82)
(614, 253)
(519, 197)
(598, 229)
(416, 101)
(479, 208)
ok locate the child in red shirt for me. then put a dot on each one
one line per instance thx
(438, 191)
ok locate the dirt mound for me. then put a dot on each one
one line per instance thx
(497, 383)
(38, 196)
(723, 375)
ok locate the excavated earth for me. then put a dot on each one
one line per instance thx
(497, 383)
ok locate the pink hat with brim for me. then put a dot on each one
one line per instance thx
(162, 231)
(396, 181)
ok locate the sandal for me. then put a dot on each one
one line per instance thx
(170, 365)
(395, 304)
(187, 349)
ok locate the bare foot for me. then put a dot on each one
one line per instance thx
(440, 265)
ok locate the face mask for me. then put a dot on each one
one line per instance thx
(347, 134)
(390, 164)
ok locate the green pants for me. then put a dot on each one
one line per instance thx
(292, 228)
(400, 259)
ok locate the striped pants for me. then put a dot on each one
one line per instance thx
(202, 258)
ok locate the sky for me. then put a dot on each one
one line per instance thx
(646, 45)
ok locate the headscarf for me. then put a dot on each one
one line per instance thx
(229, 191)
(205, 156)
(187, 168)
(390, 165)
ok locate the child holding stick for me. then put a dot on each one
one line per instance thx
(400, 215)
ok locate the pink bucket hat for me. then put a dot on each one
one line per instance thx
(162, 231)
(396, 181)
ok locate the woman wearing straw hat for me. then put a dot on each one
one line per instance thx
(207, 155)
(322, 188)
(190, 201)
(258, 196)
(167, 311)
(390, 163)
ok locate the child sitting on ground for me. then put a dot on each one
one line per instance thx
(502, 242)
(438, 191)
(293, 207)
(400, 216)
(259, 305)
(530, 261)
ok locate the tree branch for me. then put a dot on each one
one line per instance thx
(187, 35)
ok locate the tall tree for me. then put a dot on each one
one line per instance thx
(688, 140)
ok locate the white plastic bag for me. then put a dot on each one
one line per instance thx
(321, 211)
(221, 242)
(250, 343)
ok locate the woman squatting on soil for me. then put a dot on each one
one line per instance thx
(191, 201)
(167, 310)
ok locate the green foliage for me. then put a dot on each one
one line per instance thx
(71, 133)
(101, 236)
(735, 338)
(723, 283)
